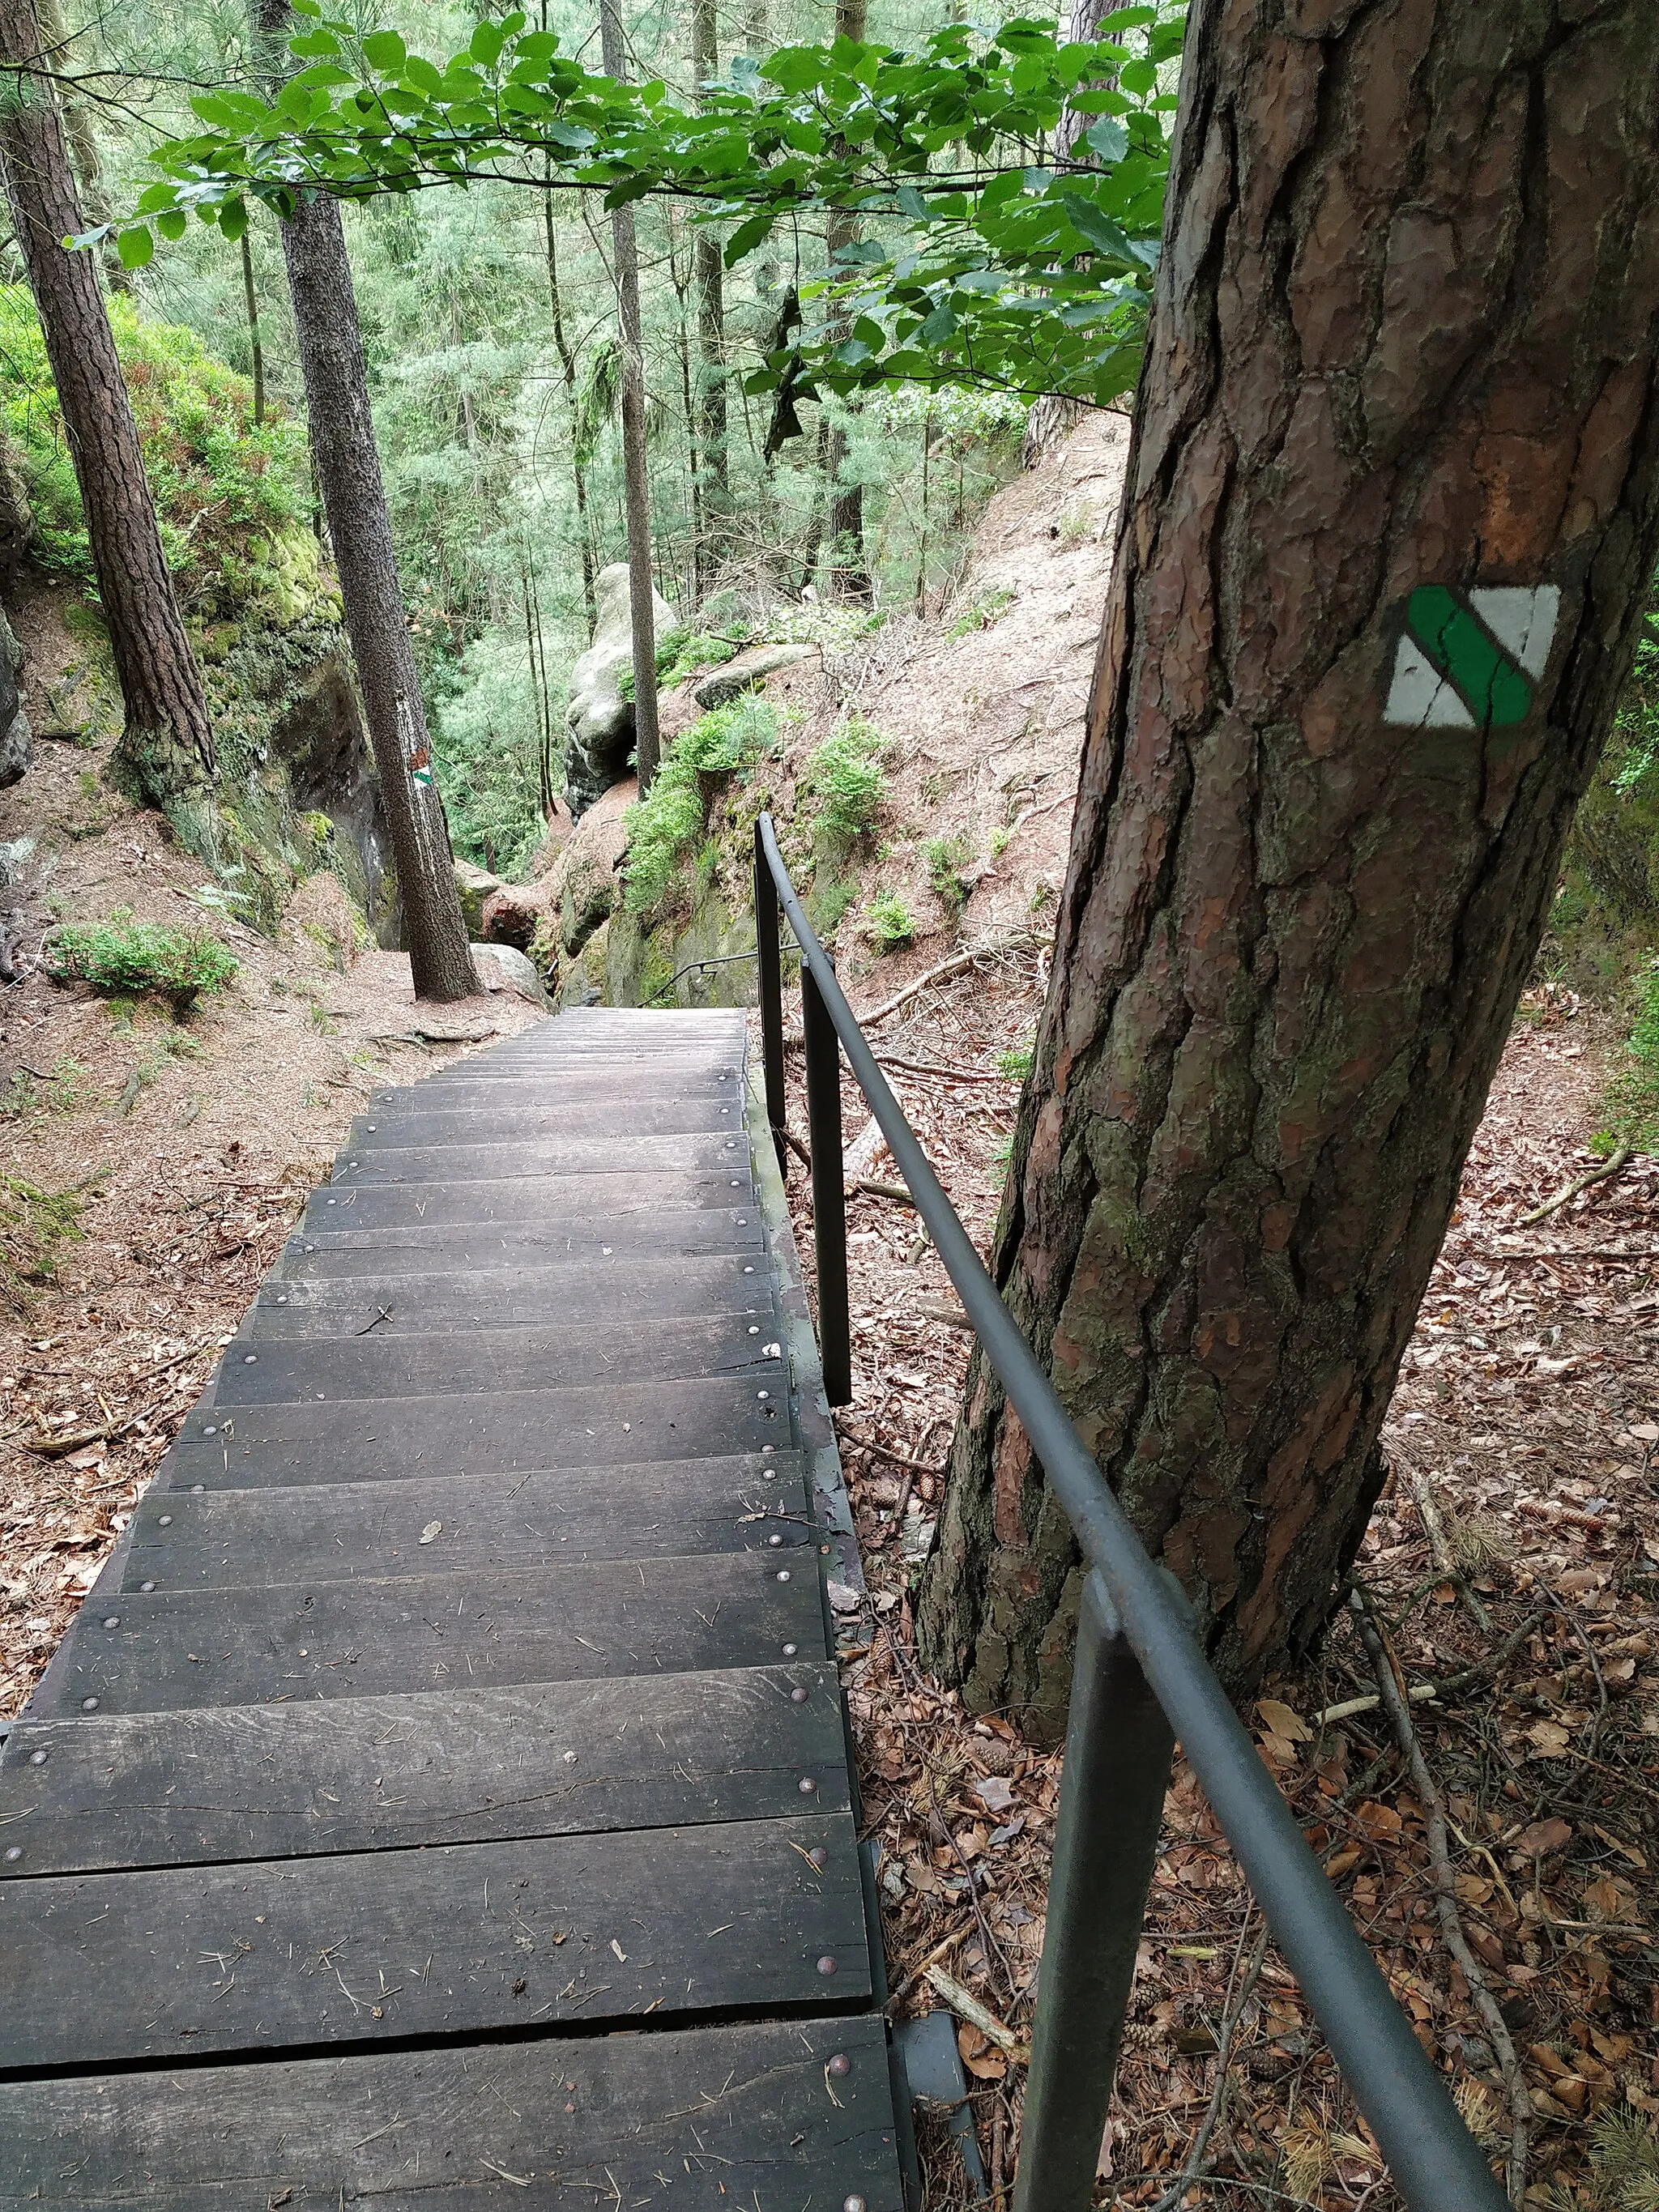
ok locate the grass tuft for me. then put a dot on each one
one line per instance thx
(123, 958)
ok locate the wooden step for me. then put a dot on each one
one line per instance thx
(620, 1288)
(591, 1150)
(568, 1355)
(419, 1246)
(369, 1440)
(447, 1523)
(463, 1938)
(372, 1774)
(488, 1120)
(525, 1198)
(554, 2124)
(375, 1635)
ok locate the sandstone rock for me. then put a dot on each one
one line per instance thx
(586, 879)
(556, 837)
(752, 667)
(513, 914)
(514, 970)
(598, 720)
(17, 738)
(475, 886)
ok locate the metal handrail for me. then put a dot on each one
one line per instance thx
(1141, 1677)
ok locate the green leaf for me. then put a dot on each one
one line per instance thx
(386, 52)
(1109, 139)
(233, 219)
(172, 222)
(1102, 232)
(794, 68)
(135, 245)
(910, 202)
(747, 236)
(486, 43)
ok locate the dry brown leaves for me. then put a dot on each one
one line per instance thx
(1528, 1412)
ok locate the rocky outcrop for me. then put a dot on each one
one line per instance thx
(475, 885)
(17, 738)
(599, 721)
(746, 670)
(318, 736)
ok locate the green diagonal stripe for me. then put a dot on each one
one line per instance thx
(1496, 692)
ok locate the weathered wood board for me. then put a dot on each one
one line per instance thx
(463, 1938)
(692, 1232)
(237, 1646)
(364, 1163)
(513, 1199)
(358, 1440)
(735, 2116)
(616, 1288)
(369, 1774)
(431, 1524)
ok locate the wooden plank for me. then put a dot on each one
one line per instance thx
(106, 1968)
(334, 1531)
(619, 1287)
(594, 1151)
(422, 1121)
(376, 1774)
(577, 1239)
(499, 1360)
(514, 1200)
(368, 1440)
(380, 1636)
(735, 2116)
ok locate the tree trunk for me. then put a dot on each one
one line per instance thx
(1392, 512)
(360, 529)
(568, 364)
(255, 342)
(168, 738)
(849, 572)
(709, 275)
(83, 142)
(648, 743)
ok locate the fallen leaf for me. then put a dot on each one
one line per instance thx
(993, 1793)
(1282, 1721)
(1625, 1850)
(1544, 1837)
(433, 1529)
(1549, 1737)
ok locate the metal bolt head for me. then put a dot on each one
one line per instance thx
(38, 1758)
(164, 1520)
(112, 1620)
(798, 1696)
(209, 1431)
(807, 1787)
(840, 2066)
(282, 1302)
(819, 1855)
(826, 1965)
(774, 1540)
(852, 2203)
(14, 1852)
(88, 1704)
(783, 1574)
(790, 1650)
(146, 1586)
(249, 1358)
(197, 1489)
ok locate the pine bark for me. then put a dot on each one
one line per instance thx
(168, 737)
(849, 571)
(636, 488)
(1404, 336)
(59, 50)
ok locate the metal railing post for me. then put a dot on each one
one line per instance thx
(1119, 1747)
(829, 1192)
(771, 995)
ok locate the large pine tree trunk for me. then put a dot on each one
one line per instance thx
(360, 531)
(709, 277)
(1392, 511)
(849, 570)
(168, 737)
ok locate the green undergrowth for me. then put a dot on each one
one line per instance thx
(124, 958)
(982, 610)
(889, 924)
(64, 1089)
(844, 777)
(231, 495)
(668, 823)
(947, 858)
(1630, 1105)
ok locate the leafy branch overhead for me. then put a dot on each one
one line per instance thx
(984, 258)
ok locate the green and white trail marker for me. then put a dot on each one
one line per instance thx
(1471, 660)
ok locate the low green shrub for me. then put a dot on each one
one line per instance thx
(844, 774)
(1016, 1061)
(980, 612)
(668, 822)
(123, 957)
(34, 1223)
(947, 858)
(889, 924)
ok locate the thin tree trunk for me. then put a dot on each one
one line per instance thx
(709, 276)
(168, 737)
(1391, 518)
(349, 472)
(254, 341)
(568, 363)
(648, 743)
(849, 572)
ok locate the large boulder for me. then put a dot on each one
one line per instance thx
(747, 670)
(475, 886)
(599, 721)
(17, 738)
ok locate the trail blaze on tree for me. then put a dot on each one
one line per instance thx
(1404, 344)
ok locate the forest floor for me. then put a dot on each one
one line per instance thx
(1510, 1565)
(151, 1169)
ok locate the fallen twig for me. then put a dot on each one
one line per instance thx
(952, 1316)
(1440, 1543)
(1233, 2006)
(966, 2006)
(896, 1191)
(1608, 1167)
(886, 1452)
(1398, 1710)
